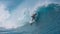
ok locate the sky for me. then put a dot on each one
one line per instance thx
(16, 13)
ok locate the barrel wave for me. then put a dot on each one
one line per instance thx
(47, 22)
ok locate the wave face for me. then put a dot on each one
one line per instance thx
(47, 22)
(48, 19)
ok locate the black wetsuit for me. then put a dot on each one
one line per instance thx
(33, 16)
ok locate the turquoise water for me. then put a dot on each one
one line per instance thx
(47, 22)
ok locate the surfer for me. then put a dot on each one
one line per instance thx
(33, 18)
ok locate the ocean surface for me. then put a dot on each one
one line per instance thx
(47, 21)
